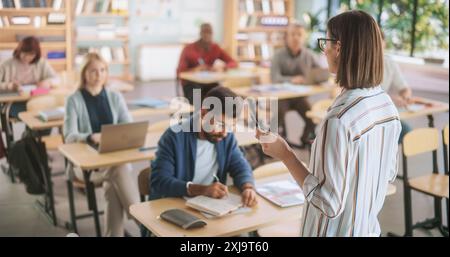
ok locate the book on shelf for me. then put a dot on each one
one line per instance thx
(105, 52)
(42, 3)
(27, 3)
(89, 7)
(56, 55)
(6, 21)
(20, 20)
(265, 5)
(105, 6)
(17, 4)
(119, 7)
(279, 7)
(56, 18)
(274, 21)
(79, 7)
(119, 54)
(7, 4)
(249, 6)
(37, 21)
(57, 4)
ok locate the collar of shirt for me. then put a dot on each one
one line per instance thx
(349, 95)
(88, 95)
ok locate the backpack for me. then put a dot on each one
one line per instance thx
(28, 159)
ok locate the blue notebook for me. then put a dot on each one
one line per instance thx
(150, 103)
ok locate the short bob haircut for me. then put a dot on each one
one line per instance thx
(360, 63)
(88, 59)
(29, 45)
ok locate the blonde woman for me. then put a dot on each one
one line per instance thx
(90, 107)
(354, 155)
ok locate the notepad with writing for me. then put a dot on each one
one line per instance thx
(284, 193)
(52, 115)
(215, 207)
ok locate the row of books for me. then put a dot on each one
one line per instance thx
(110, 54)
(55, 4)
(252, 51)
(263, 6)
(246, 21)
(36, 21)
(275, 38)
(102, 6)
(102, 31)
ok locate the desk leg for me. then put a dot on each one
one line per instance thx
(8, 135)
(92, 201)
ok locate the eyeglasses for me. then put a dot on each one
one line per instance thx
(322, 42)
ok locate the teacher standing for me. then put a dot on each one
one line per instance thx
(353, 158)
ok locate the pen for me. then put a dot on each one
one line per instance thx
(143, 149)
(216, 179)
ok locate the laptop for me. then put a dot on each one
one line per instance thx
(316, 76)
(120, 137)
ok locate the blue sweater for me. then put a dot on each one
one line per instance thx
(175, 163)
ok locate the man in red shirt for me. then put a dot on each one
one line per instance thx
(202, 56)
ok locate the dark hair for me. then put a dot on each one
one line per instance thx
(223, 93)
(29, 45)
(360, 63)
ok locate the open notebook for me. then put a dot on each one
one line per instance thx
(215, 207)
(284, 193)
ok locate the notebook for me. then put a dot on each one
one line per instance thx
(215, 207)
(150, 103)
(51, 115)
(284, 193)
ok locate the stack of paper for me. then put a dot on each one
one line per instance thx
(283, 193)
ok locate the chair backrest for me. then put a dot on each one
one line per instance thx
(45, 102)
(143, 184)
(271, 169)
(445, 141)
(445, 136)
(421, 140)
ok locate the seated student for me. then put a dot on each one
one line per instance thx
(187, 162)
(92, 106)
(202, 56)
(291, 64)
(26, 67)
(396, 86)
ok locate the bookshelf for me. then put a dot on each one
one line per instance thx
(102, 27)
(48, 20)
(255, 29)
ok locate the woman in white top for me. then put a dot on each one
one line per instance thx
(354, 155)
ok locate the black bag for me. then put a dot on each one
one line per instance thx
(28, 159)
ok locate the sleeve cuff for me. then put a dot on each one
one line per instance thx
(309, 186)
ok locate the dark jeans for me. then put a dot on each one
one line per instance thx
(188, 90)
(406, 128)
(301, 105)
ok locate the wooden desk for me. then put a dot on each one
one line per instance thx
(206, 77)
(34, 123)
(285, 94)
(437, 107)
(264, 214)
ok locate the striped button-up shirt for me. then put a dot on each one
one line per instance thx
(354, 157)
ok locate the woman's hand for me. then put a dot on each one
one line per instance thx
(96, 138)
(273, 145)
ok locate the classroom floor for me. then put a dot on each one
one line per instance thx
(20, 216)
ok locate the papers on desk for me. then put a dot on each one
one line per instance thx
(413, 108)
(52, 115)
(215, 207)
(276, 88)
(150, 103)
(28, 88)
(284, 193)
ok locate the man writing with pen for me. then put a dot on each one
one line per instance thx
(191, 162)
(203, 55)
